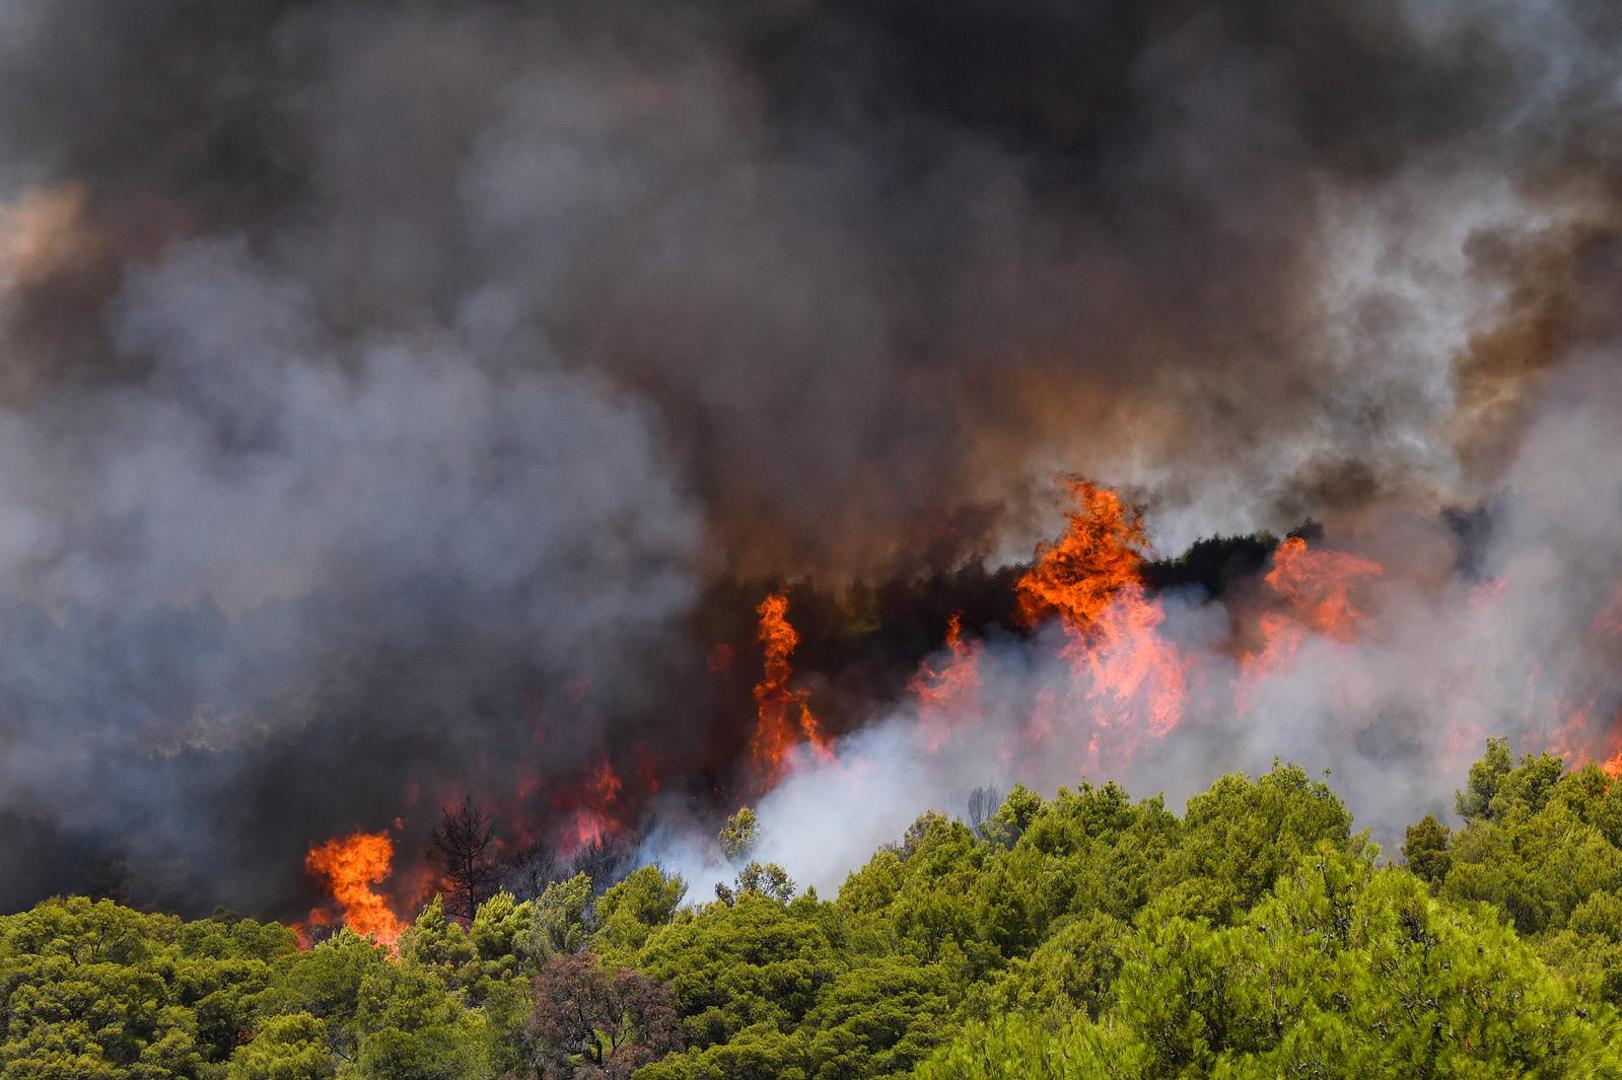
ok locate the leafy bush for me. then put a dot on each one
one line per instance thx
(1083, 935)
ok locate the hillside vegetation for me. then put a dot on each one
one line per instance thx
(1083, 935)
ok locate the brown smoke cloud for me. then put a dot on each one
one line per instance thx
(389, 393)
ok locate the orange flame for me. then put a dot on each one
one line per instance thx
(1315, 588)
(1318, 586)
(781, 709)
(1585, 699)
(948, 697)
(1092, 579)
(349, 866)
(1135, 672)
(1607, 628)
(1099, 556)
(596, 811)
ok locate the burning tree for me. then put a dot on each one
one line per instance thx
(462, 850)
(784, 713)
(350, 866)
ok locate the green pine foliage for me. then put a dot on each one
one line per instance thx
(1255, 935)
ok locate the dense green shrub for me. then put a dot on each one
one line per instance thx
(1083, 935)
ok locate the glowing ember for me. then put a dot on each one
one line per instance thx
(349, 866)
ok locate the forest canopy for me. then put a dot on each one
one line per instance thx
(1087, 934)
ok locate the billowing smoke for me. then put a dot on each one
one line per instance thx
(1387, 673)
(406, 401)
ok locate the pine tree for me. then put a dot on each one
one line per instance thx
(461, 848)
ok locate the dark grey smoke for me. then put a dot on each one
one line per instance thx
(384, 384)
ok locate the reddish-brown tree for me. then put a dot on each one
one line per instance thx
(593, 1024)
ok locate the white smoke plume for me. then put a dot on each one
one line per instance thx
(391, 396)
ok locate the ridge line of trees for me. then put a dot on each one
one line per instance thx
(1084, 935)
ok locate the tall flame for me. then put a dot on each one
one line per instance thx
(1120, 682)
(783, 713)
(349, 866)
(1136, 674)
(1132, 678)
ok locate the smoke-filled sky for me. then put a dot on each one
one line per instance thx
(391, 394)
